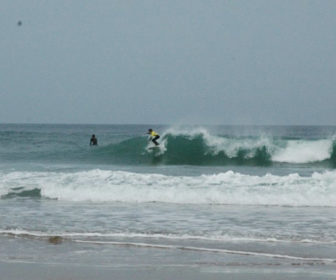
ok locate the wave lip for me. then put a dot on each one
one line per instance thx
(230, 187)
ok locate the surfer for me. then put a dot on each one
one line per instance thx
(93, 140)
(153, 136)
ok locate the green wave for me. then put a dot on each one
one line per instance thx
(23, 193)
(178, 150)
(189, 148)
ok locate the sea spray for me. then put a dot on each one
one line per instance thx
(303, 151)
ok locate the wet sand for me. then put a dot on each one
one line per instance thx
(36, 271)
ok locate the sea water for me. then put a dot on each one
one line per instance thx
(219, 199)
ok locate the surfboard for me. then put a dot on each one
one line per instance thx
(154, 147)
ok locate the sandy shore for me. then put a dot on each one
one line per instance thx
(36, 271)
(23, 258)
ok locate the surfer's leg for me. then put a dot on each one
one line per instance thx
(154, 140)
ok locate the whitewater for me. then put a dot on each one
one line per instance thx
(216, 198)
(97, 185)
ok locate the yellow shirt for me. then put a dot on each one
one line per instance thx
(153, 133)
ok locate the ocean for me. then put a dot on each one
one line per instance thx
(248, 202)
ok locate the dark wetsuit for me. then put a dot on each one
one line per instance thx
(93, 141)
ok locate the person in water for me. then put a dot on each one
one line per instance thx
(93, 140)
(153, 136)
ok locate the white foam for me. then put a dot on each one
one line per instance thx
(303, 151)
(157, 150)
(223, 188)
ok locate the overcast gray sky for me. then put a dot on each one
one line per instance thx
(168, 62)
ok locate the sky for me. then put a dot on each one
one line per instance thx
(230, 62)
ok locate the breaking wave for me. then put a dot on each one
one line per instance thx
(199, 147)
(185, 146)
(230, 187)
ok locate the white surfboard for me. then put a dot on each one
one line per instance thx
(154, 147)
